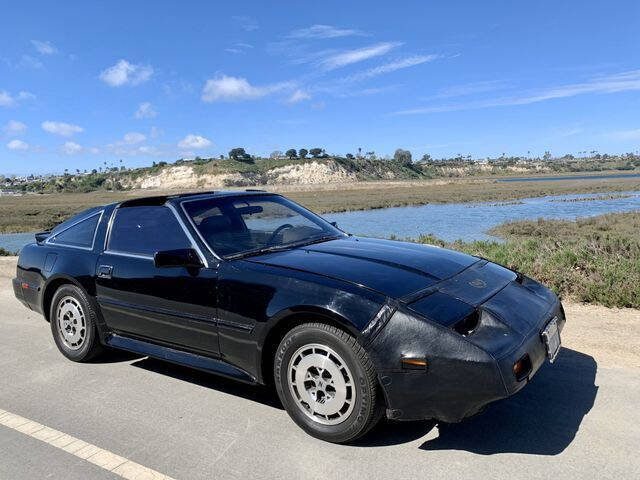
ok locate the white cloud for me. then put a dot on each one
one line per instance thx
(71, 148)
(224, 87)
(61, 128)
(358, 55)
(44, 48)
(620, 82)
(125, 73)
(194, 142)
(8, 100)
(323, 31)
(298, 96)
(392, 67)
(145, 110)
(132, 138)
(17, 145)
(246, 23)
(14, 127)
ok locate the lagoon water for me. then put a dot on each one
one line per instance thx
(466, 221)
(569, 177)
(470, 221)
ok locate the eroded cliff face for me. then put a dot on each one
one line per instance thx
(186, 176)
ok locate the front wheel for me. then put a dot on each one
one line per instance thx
(327, 383)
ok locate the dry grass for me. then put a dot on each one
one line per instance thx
(36, 212)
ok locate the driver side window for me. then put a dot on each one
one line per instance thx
(145, 231)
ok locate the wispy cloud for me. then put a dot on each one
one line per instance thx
(363, 92)
(44, 48)
(9, 100)
(226, 88)
(472, 88)
(125, 73)
(392, 67)
(61, 128)
(145, 110)
(246, 23)
(349, 57)
(14, 128)
(17, 145)
(239, 47)
(633, 134)
(27, 61)
(298, 96)
(620, 82)
(323, 31)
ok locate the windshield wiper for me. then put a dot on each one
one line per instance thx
(278, 248)
(256, 251)
(323, 238)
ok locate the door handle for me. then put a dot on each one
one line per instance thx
(104, 271)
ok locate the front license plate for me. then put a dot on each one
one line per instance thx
(551, 339)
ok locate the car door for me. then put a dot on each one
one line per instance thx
(175, 306)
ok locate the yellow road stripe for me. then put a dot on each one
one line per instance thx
(98, 456)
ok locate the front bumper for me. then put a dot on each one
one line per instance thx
(461, 377)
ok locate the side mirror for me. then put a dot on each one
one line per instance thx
(184, 257)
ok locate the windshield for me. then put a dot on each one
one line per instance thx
(238, 225)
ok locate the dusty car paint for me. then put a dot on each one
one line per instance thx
(398, 299)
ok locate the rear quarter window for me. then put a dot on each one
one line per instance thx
(80, 234)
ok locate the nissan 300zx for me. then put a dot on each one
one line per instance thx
(254, 287)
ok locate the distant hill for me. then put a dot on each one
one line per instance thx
(249, 171)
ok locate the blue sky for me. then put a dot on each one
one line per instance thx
(82, 83)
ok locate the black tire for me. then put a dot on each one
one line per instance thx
(87, 348)
(368, 406)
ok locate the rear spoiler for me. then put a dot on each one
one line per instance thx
(42, 236)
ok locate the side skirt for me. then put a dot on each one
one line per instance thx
(211, 365)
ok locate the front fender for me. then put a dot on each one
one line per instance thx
(253, 299)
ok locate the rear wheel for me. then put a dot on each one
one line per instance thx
(73, 324)
(327, 383)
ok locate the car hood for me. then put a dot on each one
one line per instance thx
(393, 268)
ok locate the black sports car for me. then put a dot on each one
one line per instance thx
(254, 287)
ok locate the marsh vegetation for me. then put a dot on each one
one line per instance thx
(591, 260)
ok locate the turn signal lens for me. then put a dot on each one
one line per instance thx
(414, 363)
(522, 368)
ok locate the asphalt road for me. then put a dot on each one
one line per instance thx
(575, 420)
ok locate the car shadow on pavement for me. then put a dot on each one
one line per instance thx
(542, 419)
(256, 393)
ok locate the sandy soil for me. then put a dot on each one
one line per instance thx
(610, 335)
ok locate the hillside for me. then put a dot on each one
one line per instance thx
(213, 173)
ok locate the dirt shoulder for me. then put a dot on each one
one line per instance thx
(610, 335)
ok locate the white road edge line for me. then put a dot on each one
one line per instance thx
(116, 464)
